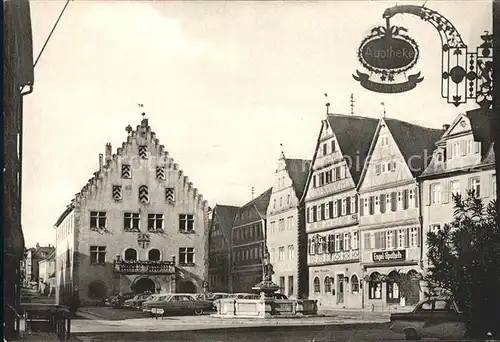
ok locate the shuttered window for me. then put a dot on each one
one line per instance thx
(323, 216)
(371, 205)
(339, 207)
(405, 199)
(348, 204)
(308, 213)
(330, 209)
(394, 201)
(383, 203)
(361, 206)
(315, 213)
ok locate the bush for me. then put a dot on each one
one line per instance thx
(464, 262)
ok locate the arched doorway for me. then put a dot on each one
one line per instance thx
(393, 291)
(412, 287)
(187, 287)
(144, 284)
(97, 290)
(130, 254)
(154, 255)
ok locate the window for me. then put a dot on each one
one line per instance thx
(475, 184)
(97, 255)
(160, 172)
(377, 169)
(154, 255)
(274, 203)
(400, 200)
(426, 306)
(392, 291)
(97, 219)
(273, 227)
(367, 241)
(436, 193)
(390, 239)
(282, 284)
(411, 196)
(434, 228)
(355, 240)
(281, 202)
(333, 146)
(281, 253)
(314, 182)
(155, 222)
(374, 290)
(402, 238)
(316, 285)
(354, 284)
(354, 205)
(130, 254)
(344, 206)
(383, 168)
(455, 187)
(377, 205)
(126, 171)
(291, 252)
(281, 225)
(288, 200)
(143, 151)
(131, 222)
(325, 149)
(494, 186)
(186, 223)
(170, 194)
(337, 242)
(186, 256)
(290, 286)
(328, 284)
(116, 193)
(413, 237)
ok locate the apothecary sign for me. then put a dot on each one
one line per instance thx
(389, 256)
(387, 53)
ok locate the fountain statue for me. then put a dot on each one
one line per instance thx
(266, 287)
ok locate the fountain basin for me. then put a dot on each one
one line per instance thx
(265, 307)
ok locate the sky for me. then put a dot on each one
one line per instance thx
(223, 85)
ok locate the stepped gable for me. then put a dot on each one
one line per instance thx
(298, 170)
(415, 142)
(109, 161)
(354, 135)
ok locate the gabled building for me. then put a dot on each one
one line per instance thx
(32, 257)
(286, 227)
(47, 276)
(463, 159)
(219, 248)
(138, 225)
(390, 222)
(332, 210)
(248, 243)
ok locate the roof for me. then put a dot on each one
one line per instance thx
(415, 142)
(298, 169)
(44, 249)
(354, 135)
(65, 213)
(254, 210)
(225, 215)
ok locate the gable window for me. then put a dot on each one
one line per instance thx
(475, 184)
(377, 169)
(436, 193)
(288, 199)
(393, 168)
(338, 176)
(186, 256)
(160, 172)
(97, 219)
(117, 193)
(170, 194)
(126, 171)
(143, 151)
(325, 149)
(314, 182)
(476, 146)
(97, 255)
(131, 222)
(383, 168)
(328, 177)
(274, 203)
(333, 146)
(321, 179)
(155, 222)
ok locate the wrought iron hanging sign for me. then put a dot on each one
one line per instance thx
(387, 53)
(465, 74)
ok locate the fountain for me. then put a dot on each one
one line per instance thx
(266, 306)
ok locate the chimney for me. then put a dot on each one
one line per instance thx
(108, 151)
(445, 127)
(100, 161)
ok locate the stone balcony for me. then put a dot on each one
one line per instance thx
(144, 267)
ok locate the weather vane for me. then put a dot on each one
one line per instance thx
(327, 105)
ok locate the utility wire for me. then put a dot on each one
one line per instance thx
(51, 32)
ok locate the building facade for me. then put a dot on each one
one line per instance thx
(219, 248)
(390, 221)
(30, 264)
(463, 160)
(138, 225)
(286, 227)
(332, 211)
(248, 243)
(47, 276)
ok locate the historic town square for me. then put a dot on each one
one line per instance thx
(250, 171)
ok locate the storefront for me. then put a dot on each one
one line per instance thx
(392, 282)
(336, 286)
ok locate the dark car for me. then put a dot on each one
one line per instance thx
(119, 301)
(441, 318)
(137, 300)
(179, 303)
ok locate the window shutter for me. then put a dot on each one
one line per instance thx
(339, 208)
(417, 197)
(323, 211)
(448, 152)
(308, 212)
(361, 207)
(371, 205)
(377, 169)
(330, 209)
(315, 213)
(463, 148)
(394, 201)
(356, 203)
(383, 240)
(407, 238)
(476, 146)
(395, 236)
(309, 245)
(348, 205)
(445, 197)
(405, 199)
(377, 240)
(333, 243)
(314, 181)
(382, 203)
(341, 242)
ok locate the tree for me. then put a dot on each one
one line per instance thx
(464, 260)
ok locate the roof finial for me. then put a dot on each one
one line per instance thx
(352, 104)
(140, 105)
(253, 191)
(327, 105)
(383, 106)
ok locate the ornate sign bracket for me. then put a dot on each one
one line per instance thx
(465, 74)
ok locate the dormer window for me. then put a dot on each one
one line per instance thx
(325, 149)
(439, 156)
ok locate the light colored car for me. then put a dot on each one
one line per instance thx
(137, 301)
(146, 306)
(179, 303)
(440, 318)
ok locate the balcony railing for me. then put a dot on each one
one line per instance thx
(144, 266)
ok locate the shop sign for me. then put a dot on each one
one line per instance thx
(387, 53)
(389, 256)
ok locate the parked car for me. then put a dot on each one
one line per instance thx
(147, 304)
(136, 301)
(440, 318)
(118, 301)
(279, 296)
(179, 303)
